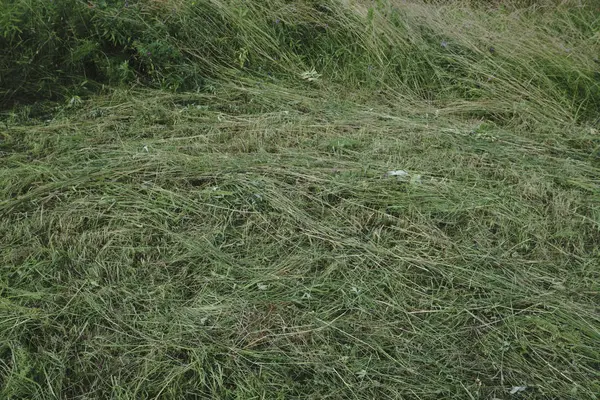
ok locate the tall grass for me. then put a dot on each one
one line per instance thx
(500, 62)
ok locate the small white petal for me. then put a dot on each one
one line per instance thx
(517, 389)
(399, 172)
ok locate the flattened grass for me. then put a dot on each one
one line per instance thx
(172, 246)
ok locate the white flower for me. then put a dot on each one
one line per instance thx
(310, 76)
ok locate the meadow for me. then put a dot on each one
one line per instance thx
(313, 199)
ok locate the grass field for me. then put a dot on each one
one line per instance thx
(354, 224)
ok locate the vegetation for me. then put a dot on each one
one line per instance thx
(309, 199)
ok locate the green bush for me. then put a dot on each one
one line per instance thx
(56, 46)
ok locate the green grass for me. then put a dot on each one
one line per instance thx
(245, 240)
